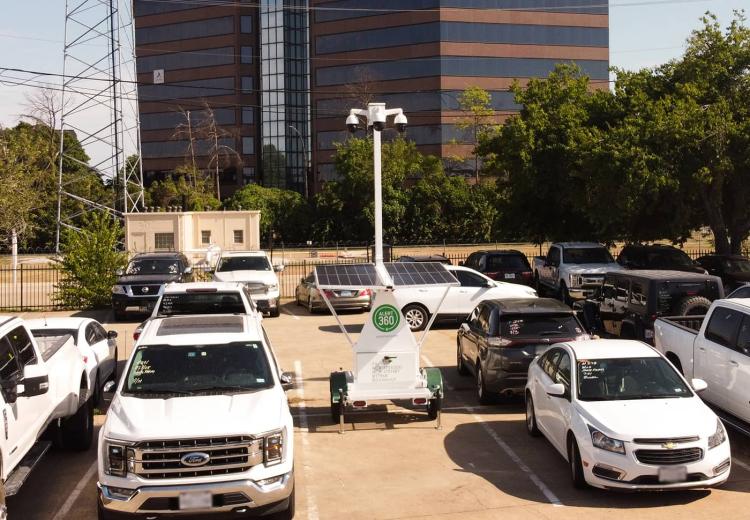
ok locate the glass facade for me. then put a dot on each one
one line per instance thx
(285, 100)
(185, 31)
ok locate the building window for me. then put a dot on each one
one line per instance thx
(248, 175)
(247, 85)
(205, 237)
(246, 24)
(164, 241)
(248, 116)
(246, 54)
(239, 236)
(248, 145)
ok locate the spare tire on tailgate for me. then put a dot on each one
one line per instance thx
(693, 306)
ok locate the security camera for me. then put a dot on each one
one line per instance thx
(379, 121)
(352, 123)
(400, 122)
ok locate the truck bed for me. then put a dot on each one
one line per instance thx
(691, 324)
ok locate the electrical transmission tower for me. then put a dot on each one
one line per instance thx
(100, 104)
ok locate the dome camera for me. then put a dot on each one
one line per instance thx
(379, 121)
(352, 123)
(400, 122)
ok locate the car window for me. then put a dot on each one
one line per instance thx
(638, 294)
(622, 287)
(468, 279)
(499, 262)
(101, 334)
(21, 343)
(8, 363)
(722, 328)
(484, 319)
(562, 375)
(554, 256)
(549, 362)
(742, 292)
(90, 334)
(743, 337)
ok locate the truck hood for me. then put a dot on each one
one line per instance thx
(266, 277)
(650, 418)
(151, 279)
(137, 419)
(593, 268)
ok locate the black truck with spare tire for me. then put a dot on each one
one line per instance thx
(628, 302)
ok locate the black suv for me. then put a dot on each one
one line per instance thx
(503, 265)
(628, 302)
(734, 270)
(500, 338)
(657, 256)
(139, 284)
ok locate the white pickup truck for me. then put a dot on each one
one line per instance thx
(715, 348)
(573, 270)
(199, 424)
(42, 383)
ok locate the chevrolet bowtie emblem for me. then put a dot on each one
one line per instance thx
(669, 445)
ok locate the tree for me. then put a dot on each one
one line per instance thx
(89, 263)
(284, 212)
(185, 187)
(477, 104)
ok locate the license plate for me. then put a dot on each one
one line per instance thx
(196, 500)
(669, 475)
(510, 276)
(346, 294)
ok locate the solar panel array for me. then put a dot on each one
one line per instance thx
(347, 275)
(420, 273)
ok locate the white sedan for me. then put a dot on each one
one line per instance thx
(419, 303)
(623, 417)
(97, 347)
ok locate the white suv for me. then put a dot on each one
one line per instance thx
(254, 270)
(199, 424)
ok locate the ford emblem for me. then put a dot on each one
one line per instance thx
(195, 459)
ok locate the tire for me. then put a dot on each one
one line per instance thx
(576, 468)
(77, 431)
(310, 307)
(460, 365)
(537, 284)
(433, 407)
(101, 513)
(114, 369)
(693, 306)
(275, 312)
(96, 395)
(287, 514)
(416, 316)
(531, 426)
(564, 295)
(483, 395)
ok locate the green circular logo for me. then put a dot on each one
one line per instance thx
(386, 318)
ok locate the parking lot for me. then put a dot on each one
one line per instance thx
(392, 462)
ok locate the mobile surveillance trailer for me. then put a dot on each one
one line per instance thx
(386, 354)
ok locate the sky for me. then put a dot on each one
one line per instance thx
(643, 33)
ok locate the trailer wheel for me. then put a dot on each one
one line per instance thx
(77, 431)
(433, 406)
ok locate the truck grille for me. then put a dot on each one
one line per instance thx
(669, 457)
(163, 459)
(145, 290)
(591, 279)
(256, 288)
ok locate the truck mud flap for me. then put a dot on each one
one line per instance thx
(24, 468)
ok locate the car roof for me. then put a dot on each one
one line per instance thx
(530, 306)
(579, 244)
(201, 329)
(661, 274)
(176, 287)
(139, 256)
(652, 246)
(610, 348)
(499, 252)
(57, 323)
(244, 253)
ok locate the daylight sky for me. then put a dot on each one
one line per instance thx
(643, 33)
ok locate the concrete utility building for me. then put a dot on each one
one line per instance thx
(281, 75)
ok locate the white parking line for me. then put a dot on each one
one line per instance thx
(290, 313)
(549, 495)
(312, 506)
(82, 484)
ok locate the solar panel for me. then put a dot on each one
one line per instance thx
(420, 273)
(346, 276)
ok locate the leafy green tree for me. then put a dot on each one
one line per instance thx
(185, 187)
(284, 212)
(90, 259)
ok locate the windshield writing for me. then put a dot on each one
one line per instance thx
(201, 303)
(628, 378)
(540, 326)
(153, 267)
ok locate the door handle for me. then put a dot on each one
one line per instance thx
(702, 349)
(733, 363)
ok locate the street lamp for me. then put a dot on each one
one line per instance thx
(377, 115)
(304, 152)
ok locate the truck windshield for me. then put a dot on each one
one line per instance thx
(587, 255)
(244, 263)
(198, 369)
(201, 303)
(153, 266)
(629, 378)
(540, 327)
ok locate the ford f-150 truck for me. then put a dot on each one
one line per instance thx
(199, 425)
(43, 384)
(573, 270)
(715, 348)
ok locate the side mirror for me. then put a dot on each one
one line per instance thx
(555, 390)
(188, 270)
(278, 268)
(287, 380)
(108, 391)
(120, 272)
(698, 385)
(111, 334)
(35, 381)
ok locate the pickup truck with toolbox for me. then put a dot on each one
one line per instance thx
(43, 384)
(715, 348)
(573, 270)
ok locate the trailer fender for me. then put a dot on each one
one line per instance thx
(337, 381)
(434, 380)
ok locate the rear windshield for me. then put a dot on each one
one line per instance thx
(540, 327)
(587, 255)
(668, 258)
(201, 303)
(670, 294)
(244, 263)
(55, 333)
(499, 262)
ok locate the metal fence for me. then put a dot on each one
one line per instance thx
(34, 287)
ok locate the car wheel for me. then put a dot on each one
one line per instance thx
(531, 426)
(483, 395)
(416, 317)
(537, 284)
(274, 313)
(460, 365)
(564, 295)
(576, 468)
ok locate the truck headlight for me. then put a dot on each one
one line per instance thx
(605, 443)
(717, 438)
(273, 448)
(273, 287)
(118, 460)
(575, 280)
(118, 289)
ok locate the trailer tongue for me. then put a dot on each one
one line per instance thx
(386, 354)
